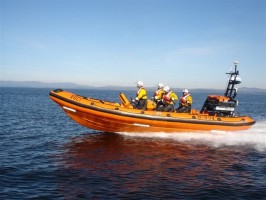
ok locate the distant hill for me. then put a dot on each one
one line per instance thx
(37, 84)
(252, 90)
(69, 85)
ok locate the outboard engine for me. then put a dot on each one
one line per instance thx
(224, 105)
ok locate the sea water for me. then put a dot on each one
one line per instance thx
(46, 155)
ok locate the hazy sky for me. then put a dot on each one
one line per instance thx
(182, 43)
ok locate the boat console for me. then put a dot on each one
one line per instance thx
(224, 105)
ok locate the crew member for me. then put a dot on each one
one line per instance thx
(185, 102)
(158, 95)
(141, 96)
(168, 100)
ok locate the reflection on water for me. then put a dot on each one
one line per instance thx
(154, 167)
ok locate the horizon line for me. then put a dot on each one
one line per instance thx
(105, 86)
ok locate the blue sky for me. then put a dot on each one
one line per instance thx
(182, 43)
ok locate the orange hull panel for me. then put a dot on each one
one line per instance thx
(113, 117)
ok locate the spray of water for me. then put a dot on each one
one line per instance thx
(254, 137)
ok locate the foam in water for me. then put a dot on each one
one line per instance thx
(254, 137)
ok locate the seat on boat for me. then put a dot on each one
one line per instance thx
(124, 101)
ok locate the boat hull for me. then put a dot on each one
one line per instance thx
(113, 117)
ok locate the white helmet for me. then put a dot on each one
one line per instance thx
(166, 88)
(185, 91)
(139, 84)
(160, 85)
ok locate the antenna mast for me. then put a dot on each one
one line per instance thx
(231, 91)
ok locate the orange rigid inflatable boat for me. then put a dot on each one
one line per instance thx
(217, 113)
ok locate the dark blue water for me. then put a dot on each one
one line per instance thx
(45, 155)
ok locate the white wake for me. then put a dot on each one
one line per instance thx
(254, 137)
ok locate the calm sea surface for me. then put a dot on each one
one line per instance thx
(46, 155)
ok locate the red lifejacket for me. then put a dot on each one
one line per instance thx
(167, 98)
(184, 101)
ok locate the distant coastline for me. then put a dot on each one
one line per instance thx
(69, 85)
